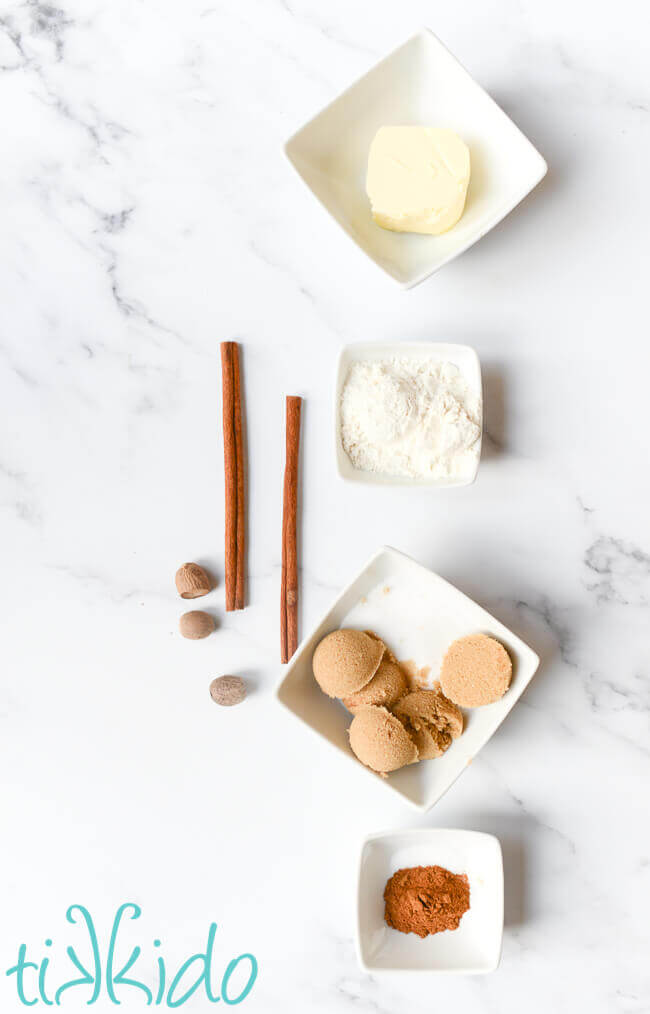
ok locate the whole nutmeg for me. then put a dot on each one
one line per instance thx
(228, 690)
(196, 624)
(192, 581)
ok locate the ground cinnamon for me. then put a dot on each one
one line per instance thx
(425, 900)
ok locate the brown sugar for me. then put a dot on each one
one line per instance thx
(431, 719)
(380, 741)
(475, 671)
(346, 660)
(385, 688)
(418, 676)
(426, 900)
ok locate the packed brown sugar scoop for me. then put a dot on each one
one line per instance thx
(477, 670)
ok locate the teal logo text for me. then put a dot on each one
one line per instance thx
(102, 974)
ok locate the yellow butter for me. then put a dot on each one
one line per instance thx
(417, 178)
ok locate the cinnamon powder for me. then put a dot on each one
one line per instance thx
(425, 900)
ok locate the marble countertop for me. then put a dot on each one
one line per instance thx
(148, 213)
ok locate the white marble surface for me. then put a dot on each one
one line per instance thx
(147, 214)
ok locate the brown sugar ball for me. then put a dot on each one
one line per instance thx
(475, 671)
(385, 688)
(380, 741)
(431, 719)
(345, 661)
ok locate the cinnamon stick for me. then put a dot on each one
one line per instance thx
(233, 453)
(240, 583)
(289, 591)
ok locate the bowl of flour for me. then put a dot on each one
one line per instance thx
(409, 414)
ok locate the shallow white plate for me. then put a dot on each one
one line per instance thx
(475, 947)
(418, 615)
(419, 83)
(462, 356)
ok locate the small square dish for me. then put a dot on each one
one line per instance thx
(462, 356)
(420, 83)
(418, 615)
(472, 949)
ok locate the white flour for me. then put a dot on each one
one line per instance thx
(410, 417)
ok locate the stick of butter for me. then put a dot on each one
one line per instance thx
(417, 178)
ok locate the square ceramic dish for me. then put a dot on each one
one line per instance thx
(473, 948)
(418, 615)
(420, 83)
(462, 356)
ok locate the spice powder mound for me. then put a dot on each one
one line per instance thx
(426, 900)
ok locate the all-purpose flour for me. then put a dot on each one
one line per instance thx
(410, 417)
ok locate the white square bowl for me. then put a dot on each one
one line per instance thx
(472, 949)
(462, 356)
(418, 615)
(419, 83)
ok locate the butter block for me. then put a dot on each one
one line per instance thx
(417, 179)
